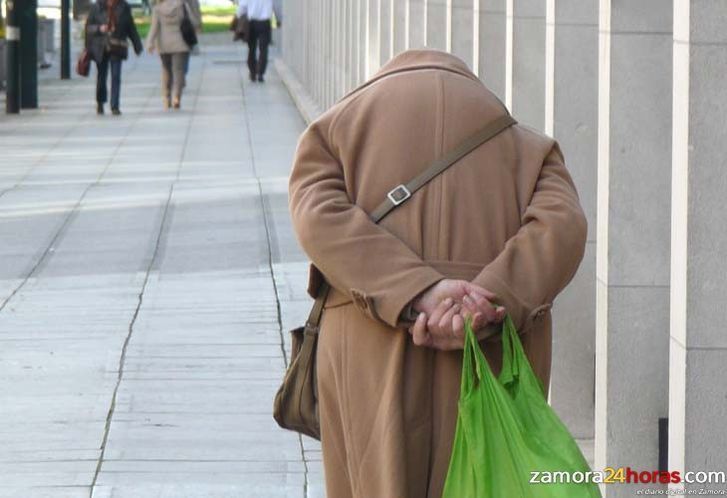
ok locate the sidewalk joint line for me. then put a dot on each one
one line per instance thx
(140, 299)
(251, 144)
(124, 348)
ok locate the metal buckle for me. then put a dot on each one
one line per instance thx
(399, 195)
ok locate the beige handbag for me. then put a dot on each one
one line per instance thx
(296, 402)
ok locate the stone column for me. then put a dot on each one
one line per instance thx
(350, 34)
(526, 20)
(401, 25)
(337, 48)
(698, 346)
(311, 57)
(386, 37)
(336, 45)
(632, 267)
(462, 27)
(437, 24)
(318, 54)
(417, 23)
(492, 48)
(320, 48)
(303, 52)
(327, 58)
(373, 37)
(355, 42)
(572, 118)
(287, 49)
(346, 45)
(351, 45)
(361, 30)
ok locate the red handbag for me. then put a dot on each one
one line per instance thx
(83, 66)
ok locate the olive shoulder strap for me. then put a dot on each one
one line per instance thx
(400, 194)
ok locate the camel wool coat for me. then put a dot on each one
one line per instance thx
(506, 217)
(165, 34)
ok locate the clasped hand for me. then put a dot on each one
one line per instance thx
(443, 309)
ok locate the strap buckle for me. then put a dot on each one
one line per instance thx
(399, 194)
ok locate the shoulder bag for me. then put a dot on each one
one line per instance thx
(116, 47)
(296, 402)
(187, 28)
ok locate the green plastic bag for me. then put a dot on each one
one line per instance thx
(506, 431)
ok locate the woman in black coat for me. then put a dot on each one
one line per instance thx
(108, 27)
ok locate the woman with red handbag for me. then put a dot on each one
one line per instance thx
(108, 27)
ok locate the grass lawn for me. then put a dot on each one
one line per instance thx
(214, 20)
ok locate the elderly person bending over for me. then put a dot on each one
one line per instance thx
(499, 231)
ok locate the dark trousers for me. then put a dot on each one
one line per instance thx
(102, 76)
(174, 67)
(259, 36)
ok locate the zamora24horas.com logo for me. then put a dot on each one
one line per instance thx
(627, 475)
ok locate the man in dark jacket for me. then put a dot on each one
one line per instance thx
(108, 27)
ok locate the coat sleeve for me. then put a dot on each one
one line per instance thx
(93, 27)
(542, 257)
(153, 35)
(133, 33)
(356, 256)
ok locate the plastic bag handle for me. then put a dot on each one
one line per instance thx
(512, 354)
(510, 365)
(472, 354)
(515, 364)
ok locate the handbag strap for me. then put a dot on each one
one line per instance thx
(403, 192)
(399, 195)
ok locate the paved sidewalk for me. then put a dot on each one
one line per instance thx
(142, 262)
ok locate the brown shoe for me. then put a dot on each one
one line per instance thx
(176, 104)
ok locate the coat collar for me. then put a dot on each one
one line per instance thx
(425, 59)
(412, 60)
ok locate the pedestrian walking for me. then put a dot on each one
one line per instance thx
(109, 26)
(259, 13)
(165, 36)
(499, 231)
